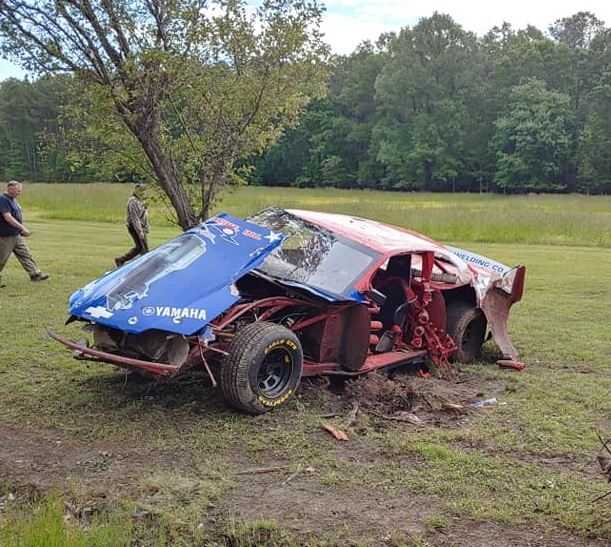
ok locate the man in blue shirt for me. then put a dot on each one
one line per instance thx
(13, 232)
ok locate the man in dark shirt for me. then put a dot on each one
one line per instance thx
(13, 232)
(137, 225)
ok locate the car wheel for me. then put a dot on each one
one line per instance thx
(466, 325)
(263, 368)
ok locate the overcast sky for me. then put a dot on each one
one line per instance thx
(349, 22)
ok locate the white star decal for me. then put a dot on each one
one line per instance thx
(99, 311)
(273, 236)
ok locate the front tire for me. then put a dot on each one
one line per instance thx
(263, 368)
(466, 325)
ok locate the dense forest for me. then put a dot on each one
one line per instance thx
(432, 108)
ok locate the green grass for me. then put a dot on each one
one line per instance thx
(529, 464)
(49, 524)
(535, 219)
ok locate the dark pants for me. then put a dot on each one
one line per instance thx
(140, 247)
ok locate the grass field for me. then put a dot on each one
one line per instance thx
(88, 457)
(542, 219)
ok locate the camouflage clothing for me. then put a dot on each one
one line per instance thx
(137, 216)
(138, 227)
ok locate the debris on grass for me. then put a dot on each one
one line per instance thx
(604, 460)
(402, 416)
(351, 416)
(508, 363)
(339, 434)
(259, 470)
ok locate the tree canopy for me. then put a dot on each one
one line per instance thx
(175, 90)
(433, 107)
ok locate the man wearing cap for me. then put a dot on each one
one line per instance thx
(13, 232)
(137, 225)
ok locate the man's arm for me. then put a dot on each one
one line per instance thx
(10, 219)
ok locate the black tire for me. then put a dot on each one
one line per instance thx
(466, 325)
(263, 368)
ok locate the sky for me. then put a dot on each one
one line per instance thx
(347, 23)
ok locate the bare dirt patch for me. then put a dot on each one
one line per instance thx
(299, 498)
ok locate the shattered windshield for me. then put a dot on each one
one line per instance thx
(312, 255)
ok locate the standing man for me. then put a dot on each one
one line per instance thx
(13, 232)
(137, 225)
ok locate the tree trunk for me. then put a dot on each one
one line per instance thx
(428, 175)
(146, 128)
(169, 183)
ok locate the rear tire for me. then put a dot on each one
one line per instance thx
(263, 368)
(466, 325)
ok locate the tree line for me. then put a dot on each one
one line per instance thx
(433, 108)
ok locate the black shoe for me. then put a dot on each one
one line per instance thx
(39, 277)
(119, 262)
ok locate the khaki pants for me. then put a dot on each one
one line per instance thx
(17, 246)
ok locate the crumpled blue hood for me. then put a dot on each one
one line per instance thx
(182, 285)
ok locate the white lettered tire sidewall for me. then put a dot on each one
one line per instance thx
(263, 368)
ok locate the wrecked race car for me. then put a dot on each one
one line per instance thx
(259, 303)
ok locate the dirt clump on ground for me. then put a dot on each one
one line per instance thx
(404, 397)
(379, 393)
